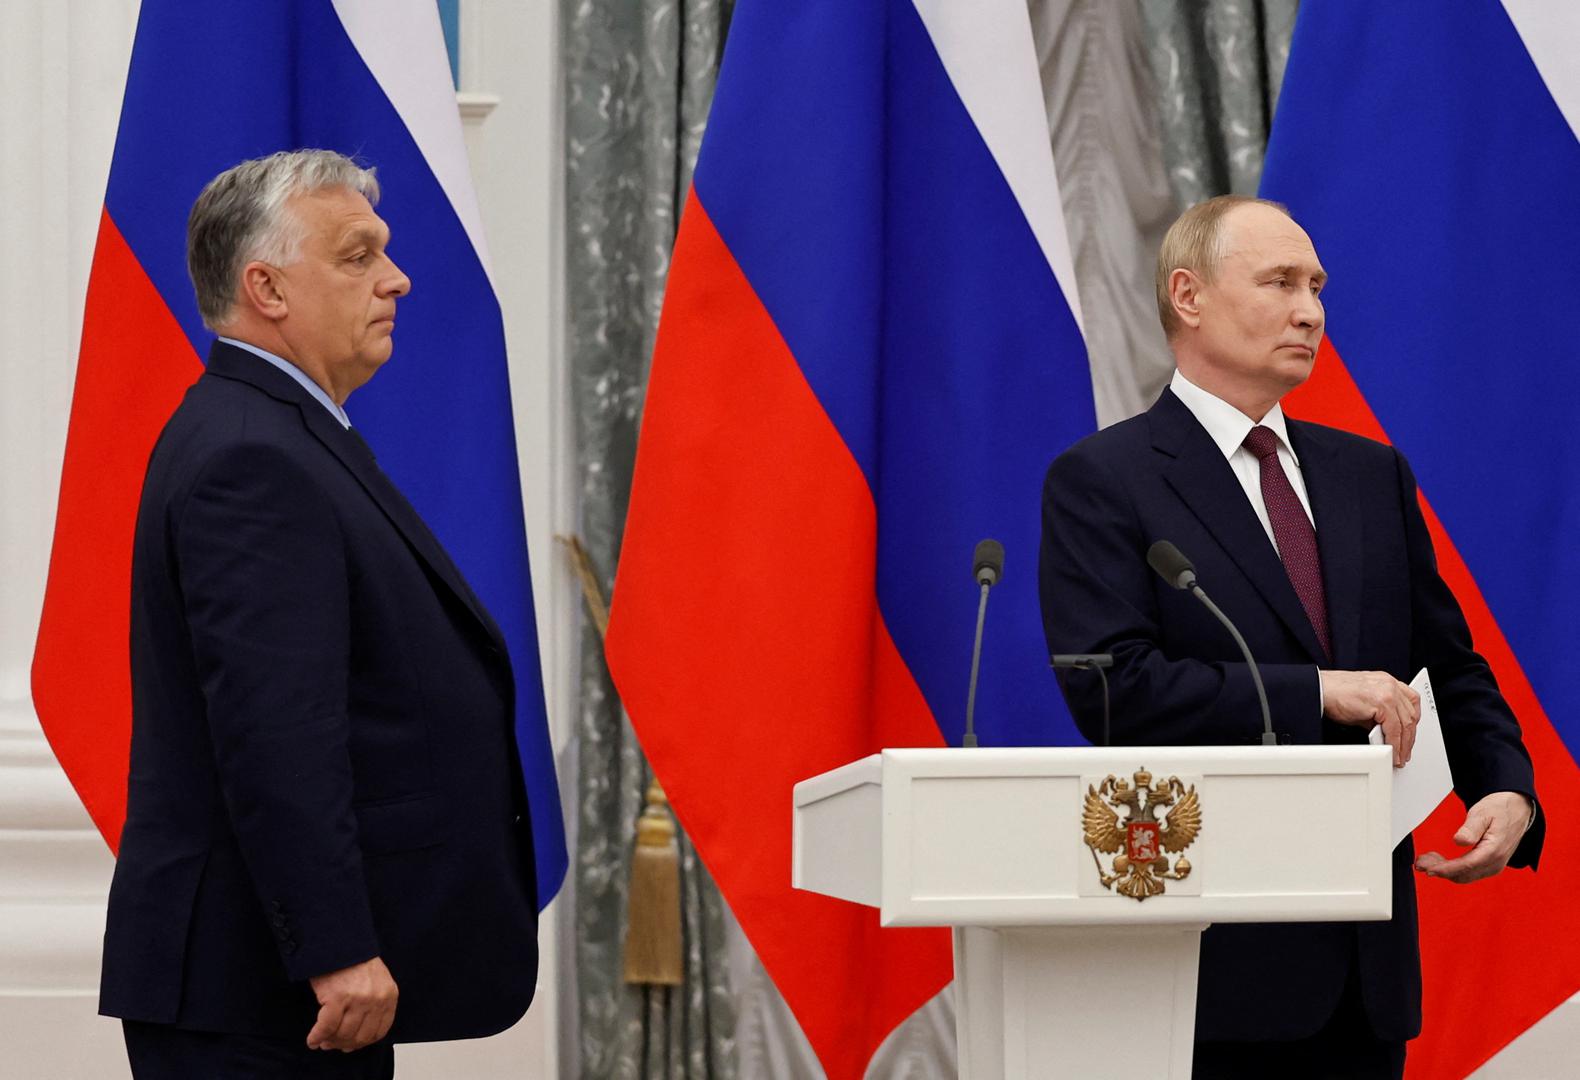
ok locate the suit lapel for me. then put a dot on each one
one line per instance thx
(349, 448)
(355, 455)
(1331, 482)
(1204, 480)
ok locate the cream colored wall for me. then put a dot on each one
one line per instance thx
(61, 69)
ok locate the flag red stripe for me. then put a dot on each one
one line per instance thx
(1481, 988)
(747, 644)
(133, 367)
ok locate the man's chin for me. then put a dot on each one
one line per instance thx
(369, 360)
(1294, 366)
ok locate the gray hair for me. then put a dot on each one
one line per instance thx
(241, 216)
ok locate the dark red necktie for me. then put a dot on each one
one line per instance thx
(1292, 531)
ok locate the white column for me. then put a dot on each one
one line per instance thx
(62, 70)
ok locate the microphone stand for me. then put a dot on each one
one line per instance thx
(1088, 662)
(970, 738)
(987, 567)
(1173, 567)
(1268, 738)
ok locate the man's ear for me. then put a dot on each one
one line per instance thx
(1185, 295)
(261, 291)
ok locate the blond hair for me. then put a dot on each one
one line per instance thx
(1195, 243)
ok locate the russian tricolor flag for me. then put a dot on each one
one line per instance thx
(870, 351)
(1431, 152)
(210, 85)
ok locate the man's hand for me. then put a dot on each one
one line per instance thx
(1367, 698)
(1492, 830)
(356, 1006)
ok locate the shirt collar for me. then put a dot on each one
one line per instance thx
(1227, 425)
(301, 377)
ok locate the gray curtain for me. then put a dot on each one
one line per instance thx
(1218, 65)
(639, 79)
(1102, 120)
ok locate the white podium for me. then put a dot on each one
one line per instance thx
(1060, 969)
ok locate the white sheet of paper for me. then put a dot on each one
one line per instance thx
(1425, 781)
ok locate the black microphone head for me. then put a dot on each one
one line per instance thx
(1171, 564)
(987, 563)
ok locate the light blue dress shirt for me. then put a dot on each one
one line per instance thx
(299, 375)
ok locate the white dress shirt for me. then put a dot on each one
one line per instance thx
(1228, 427)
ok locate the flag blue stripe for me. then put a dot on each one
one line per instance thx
(1449, 231)
(897, 264)
(213, 84)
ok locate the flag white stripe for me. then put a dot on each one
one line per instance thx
(986, 47)
(402, 43)
(1551, 33)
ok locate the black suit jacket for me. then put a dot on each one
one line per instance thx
(1178, 678)
(323, 761)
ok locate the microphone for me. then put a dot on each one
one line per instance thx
(987, 562)
(1088, 662)
(1173, 567)
(987, 568)
(1171, 564)
(1097, 660)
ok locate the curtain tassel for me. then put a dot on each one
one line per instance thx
(652, 936)
(652, 939)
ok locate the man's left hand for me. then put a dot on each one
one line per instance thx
(356, 1006)
(1492, 830)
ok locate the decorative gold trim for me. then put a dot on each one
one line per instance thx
(1159, 816)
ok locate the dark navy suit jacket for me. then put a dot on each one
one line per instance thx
(1178, 678)
(323, 763)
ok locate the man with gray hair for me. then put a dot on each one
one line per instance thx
(1313, 541)
(327, 846)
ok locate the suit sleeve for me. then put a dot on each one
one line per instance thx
(263, 575)
(1480, 732)
(1099, 595)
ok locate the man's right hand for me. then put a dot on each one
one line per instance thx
(1374, 698)
(356, 1006)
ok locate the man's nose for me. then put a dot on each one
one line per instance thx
(1308, 310)
(396, 283)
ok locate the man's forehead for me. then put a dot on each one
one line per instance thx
(363, 225)
(339, 211)
(1261, 234)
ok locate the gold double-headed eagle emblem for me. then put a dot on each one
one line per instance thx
(1160, 816)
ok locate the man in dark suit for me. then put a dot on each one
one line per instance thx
(325, 810)
(1313, 542)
